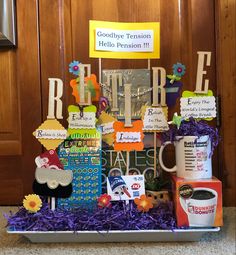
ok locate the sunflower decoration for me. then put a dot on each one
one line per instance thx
(178, 71)
(32, 203)
(104, 201)
(144, 203)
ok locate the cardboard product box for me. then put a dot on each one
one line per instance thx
(198, 203)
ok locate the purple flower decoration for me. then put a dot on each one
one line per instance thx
(74, 67)
(103, 105)
(179, 69)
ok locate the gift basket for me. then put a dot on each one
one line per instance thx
(101, 178)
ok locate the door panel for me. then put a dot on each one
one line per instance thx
(56, 51)
(10, 143)
(20, 111)
(226, 76)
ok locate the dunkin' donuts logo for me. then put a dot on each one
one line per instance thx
(201, 209)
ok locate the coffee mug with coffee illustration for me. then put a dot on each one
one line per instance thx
(200, 207)
(192, 155)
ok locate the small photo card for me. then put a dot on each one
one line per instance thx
(125, 187)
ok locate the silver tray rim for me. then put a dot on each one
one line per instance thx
(205, 229)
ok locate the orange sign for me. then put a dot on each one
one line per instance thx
(128, 138)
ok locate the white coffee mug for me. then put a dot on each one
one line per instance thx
(200, 212)
(192, 157)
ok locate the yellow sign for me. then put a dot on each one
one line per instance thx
(124, 40)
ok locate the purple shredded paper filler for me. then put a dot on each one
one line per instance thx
(192, 127)
(118, 217)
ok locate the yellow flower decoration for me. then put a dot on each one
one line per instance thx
(32, 203)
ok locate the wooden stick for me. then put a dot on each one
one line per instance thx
(128, 122)
(127, 162)
(82, 84)
(53, 203)
(100, 70)
(155, 154)
(114, 93)
(149, 64)
(127, 171)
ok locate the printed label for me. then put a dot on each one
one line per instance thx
(86, 121)
(198, 107)
(128, 137)
(50, 134)
(154, 119)
(124, 40)
(107, 128)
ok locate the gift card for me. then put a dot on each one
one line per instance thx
(48, 159)
(125, 187)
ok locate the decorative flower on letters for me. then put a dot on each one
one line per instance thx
(74, 67)
(179, 69)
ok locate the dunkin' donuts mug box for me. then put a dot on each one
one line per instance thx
(198, 203)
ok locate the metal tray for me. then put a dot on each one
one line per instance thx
(177, 235)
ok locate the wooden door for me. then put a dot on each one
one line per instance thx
(20, 107)
(57, 32)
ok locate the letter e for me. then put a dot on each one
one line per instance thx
(201, 72)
